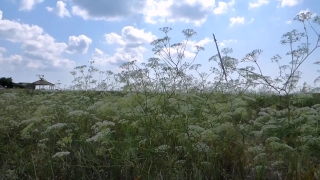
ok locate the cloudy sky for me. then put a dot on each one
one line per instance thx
(50, 37)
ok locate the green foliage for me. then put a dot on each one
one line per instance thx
(6, 82)
(92, 135)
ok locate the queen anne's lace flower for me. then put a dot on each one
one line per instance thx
(201, 147)
(61, 154)
(56, 126)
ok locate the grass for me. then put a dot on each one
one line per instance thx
(89, 135)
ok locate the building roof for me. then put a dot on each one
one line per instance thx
(42, 82)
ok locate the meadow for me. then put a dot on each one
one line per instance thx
(90, 135)
(167, 123)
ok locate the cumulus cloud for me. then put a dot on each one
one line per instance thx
(181, 12)
(223, 7)
(251, 21)
(2, 50)
(173, 11)
(114, 38)
(1, 14)
(99, 57)
(82, 13)
(201, 43)
(78, 44)
(106, 9)
(11, 62)
(191, 47)
(130, 46)
(60, 9)
(27, 5)
(284, 3)
(258, 3)
(38, 47)
(153, 11)
(237, 20)
(225, 43)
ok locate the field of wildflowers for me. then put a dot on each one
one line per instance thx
(166, 123)
(87, 135)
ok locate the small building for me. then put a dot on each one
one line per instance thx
(43, 84)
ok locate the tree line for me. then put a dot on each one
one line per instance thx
(7, 82)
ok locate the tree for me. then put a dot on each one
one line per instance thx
(6, 82)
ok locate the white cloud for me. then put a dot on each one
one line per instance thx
(202, 43)
(11, 62)
(2, 50)
(222, 8)
(134, 35)
(178, 11)
(80, 12)
(100, 58)
(60, 9)
(50, 9)
(14, 59)
(289, 3)
(113, 38)
(258, 4)
(153, 11)
(1, 14)
(27, 5)
(224, 43)
(130, 46)
(231, 3)
(78, 44)
(237, 20)
(251, 21)
(106, 10)
(288, 22)
(157, 11)
(37, 45)
(191, 49)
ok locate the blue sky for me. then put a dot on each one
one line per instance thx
(51, 37)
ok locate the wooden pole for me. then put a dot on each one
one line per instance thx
(222, 66)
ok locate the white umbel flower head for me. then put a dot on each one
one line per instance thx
(61, 154)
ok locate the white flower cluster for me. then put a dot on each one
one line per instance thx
(61, 154)
(256, 149)
(201, 147)
(31, 120)
(8, 96)
(95, 105)
(11, 107)
(56, 126)
(78, 113)
(101, 125)
(100, 136)
(162, 148)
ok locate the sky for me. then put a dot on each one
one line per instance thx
(51, 38)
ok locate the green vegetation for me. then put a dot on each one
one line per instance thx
(6, 82)
(101, 136)
(167, 123)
